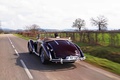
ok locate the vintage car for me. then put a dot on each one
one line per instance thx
(61, 50)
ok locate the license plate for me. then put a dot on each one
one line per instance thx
(71, 57)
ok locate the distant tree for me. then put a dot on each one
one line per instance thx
(79, 23)
(33, 28)
(100, 22)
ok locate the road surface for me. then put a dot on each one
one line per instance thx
(17, 64)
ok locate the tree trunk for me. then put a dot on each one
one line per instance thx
(79, 28)
(99, 27)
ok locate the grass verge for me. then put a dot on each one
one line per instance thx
(104, 63)
(21, 36)
(107, 52)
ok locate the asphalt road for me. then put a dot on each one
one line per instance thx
(17, 64)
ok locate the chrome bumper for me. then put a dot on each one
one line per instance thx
(68, 59)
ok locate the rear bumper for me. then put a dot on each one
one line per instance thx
(73, 59)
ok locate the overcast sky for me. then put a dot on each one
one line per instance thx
(57, 14)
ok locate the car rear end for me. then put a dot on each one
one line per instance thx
(64, 51)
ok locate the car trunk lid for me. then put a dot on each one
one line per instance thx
(63, 48)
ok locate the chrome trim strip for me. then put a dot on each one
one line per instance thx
(67, 42)
(44, 49)
(52, 49)
(56, 42)
(50, 56)
(50, 45)
(30, 44)
(36, 53)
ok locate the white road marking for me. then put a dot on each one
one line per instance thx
(10, 41)
(23, 64)
(13, 46)
(16, 52)
(26, 70)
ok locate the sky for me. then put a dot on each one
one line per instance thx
(57, 14)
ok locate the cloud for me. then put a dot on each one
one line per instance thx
(58, 14)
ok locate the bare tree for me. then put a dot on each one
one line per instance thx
(79, 23)
(33, 28)
(100, 22)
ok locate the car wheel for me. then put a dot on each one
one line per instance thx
(30, 51)
(43, 57)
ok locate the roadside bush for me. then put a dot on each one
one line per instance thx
(102, 53)
(114, 57)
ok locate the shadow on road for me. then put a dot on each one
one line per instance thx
(33, 62)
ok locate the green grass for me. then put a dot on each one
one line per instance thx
(24, 37)
(104, 63)
(89, 48)
(107, 52)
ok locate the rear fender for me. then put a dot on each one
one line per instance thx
(31, 45)
(81, 53)
(47, 52)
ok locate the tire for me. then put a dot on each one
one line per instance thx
(30, 51)
(43, 57)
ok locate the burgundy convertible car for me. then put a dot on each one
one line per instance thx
(56, 50)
